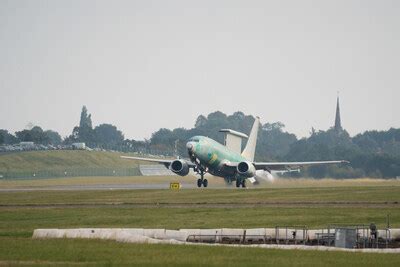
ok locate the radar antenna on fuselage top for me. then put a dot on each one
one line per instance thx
(233, 140)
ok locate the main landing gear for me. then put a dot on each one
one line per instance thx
(240, 183)
(202, 181)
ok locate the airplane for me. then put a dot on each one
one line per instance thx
(228, 161)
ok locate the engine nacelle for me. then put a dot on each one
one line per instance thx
(179, 167)
(246, 168)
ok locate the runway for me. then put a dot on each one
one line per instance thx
(98, 187)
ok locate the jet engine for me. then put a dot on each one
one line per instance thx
(246, 168)
(180, 167)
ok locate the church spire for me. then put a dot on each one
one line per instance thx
(338, 123)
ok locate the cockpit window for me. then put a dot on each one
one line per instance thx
(194, 140)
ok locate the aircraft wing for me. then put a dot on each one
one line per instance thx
(289, 166)
(166, 162)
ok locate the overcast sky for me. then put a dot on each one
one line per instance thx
(143, 65)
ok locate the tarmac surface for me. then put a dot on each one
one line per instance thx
(98, 187)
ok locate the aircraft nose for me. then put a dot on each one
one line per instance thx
(190, 146)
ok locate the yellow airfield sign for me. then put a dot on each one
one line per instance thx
(175, 186)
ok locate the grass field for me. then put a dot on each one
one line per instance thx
(22, 212)
(313, 203)
(22, 221)
(103, 253)
(309, 195)
(61, 159)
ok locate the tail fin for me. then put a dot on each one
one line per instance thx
(250, 148)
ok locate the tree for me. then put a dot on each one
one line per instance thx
(200, 121)
(133, 145)
(108, 135)
(7, 138)
(53, 137)
(313, 131)
(238, 115)
(84, 132)
(240, 122)
(379, 141)
(275, 126)
(24, 136)
(162, 136)
(273, 142)
(216, 119)
(86, 120)
(36, 135)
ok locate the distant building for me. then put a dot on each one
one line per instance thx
(79, 146)
(338, 123)
(27, 144)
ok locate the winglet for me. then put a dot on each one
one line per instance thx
(250, 148)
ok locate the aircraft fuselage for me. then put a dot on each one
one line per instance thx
(211, 156)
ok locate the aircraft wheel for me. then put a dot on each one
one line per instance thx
(199, 182)
(244, 183)
(205, 182)
(237, 183)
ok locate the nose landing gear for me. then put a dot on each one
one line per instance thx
(202, 181)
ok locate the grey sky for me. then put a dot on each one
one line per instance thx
(142, 65)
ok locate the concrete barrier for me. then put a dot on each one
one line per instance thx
(395, 234)
(270, 232)
(281, 234)
(196, 235)
(299, 234)
(202, 235)
(134, 231)
(153, 233)
(255, 235)
(176, 235)
(105, 233)
(232, 235)
(210, 235)
(192, 234)
(126, 237)
(48, 233)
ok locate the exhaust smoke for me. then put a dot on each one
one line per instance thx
(264, 175)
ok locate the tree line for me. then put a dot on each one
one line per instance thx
(104, 136)
(372, 153)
